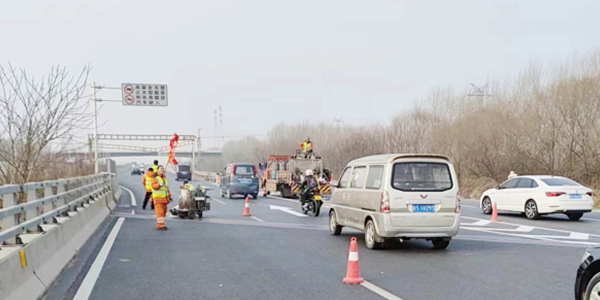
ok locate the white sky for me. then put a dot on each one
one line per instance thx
(273, 61)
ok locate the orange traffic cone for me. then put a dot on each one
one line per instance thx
(247, 207)
(353, 272)
(494, 213)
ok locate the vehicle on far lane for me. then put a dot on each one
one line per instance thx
(136, 170)
(539, 195)
(587, 282)
(239, 179)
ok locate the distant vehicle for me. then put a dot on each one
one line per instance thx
(539, 195)
(184, 172)
(587, 282)
(397, 196)
(239, 179)
(136, 170)
(284, 174)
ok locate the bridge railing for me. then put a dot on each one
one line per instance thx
(43, 226)
(26, 207)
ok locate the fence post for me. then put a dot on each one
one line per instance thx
(9, 199)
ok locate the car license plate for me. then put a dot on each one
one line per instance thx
(317, 197)
(423, 207)
(245, 180)
(575, 196)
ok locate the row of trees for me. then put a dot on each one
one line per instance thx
(544, 121)
(39, 118)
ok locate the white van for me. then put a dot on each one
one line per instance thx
(399, 196)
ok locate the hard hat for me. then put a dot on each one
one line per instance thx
(308, 172)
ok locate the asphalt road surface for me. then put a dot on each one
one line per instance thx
(280, 254)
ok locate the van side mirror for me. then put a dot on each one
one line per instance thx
(334, 183)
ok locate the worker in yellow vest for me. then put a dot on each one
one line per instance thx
(155, 166)
(147, 182)
(161, 195)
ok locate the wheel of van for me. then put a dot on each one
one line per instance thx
(254, 196)
(228, 195)
(593, 288)
(575, 216)
(531, 210)
(333, 226)
(372, 239)
(486, 205)
(440, 244)
(181, 215)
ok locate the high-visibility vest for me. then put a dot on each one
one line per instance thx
(148, 183)
(163, 191)
(306, 146)
(191, 188)
(155, 168)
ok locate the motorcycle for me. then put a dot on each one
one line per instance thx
(313, 203)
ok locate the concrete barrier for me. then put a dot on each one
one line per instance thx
(47, 254)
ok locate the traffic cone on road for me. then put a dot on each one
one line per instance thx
(247, 207)
(353, 271)
(494, 213)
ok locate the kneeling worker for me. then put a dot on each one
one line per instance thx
(161, 196)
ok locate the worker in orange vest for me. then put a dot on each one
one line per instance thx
(161, 196)
(147, 182)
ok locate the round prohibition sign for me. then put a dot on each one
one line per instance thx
(129, 89)
(129, 99)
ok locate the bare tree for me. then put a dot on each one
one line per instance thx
(37, 117)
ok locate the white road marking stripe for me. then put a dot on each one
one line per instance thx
(480, 223)
(85, 290)
(257, 219)
(590, 219)
(534, 227)
(537, 237)
(379, 291)
(353, 256)
(524, 228)
(280, 198)
(287, 210)
(579, 236)
(218, 200)
(133, 202)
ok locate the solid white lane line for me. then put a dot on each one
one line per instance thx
(257, 219)
(379, 291)
(133, 202)
(590, 219)
(211, 198)
(85, 290)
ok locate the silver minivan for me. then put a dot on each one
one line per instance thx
(397, 196)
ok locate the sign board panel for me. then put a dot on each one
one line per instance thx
(144, 94)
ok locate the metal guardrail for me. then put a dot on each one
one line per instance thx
(60, 197)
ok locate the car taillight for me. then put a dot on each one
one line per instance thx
(385, 202)
(554, 194)
(591, 194)
(232, 172)
(457, 209)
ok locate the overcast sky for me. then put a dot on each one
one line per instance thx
(272, 61)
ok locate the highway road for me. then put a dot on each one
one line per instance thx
(280, 254)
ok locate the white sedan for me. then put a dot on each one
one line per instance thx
(539, 195)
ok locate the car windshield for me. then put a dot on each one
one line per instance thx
(421, 177)
(560, 182)
(184, 168)
(244, 170)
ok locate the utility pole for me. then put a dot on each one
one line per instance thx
(96, 166)
(337, 122)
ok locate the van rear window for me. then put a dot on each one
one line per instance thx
(421, 177)
(244, 170)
